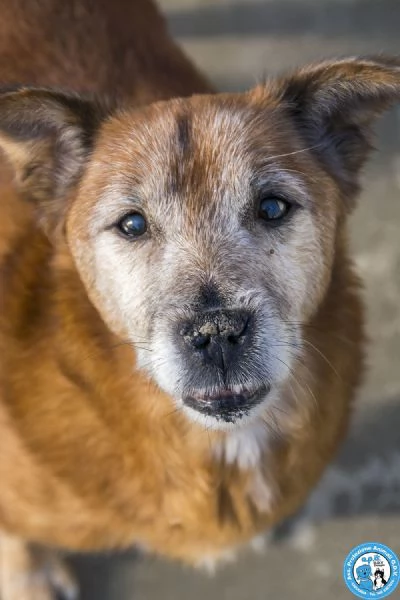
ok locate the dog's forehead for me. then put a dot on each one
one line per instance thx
(197, 145)
(200, 159)
(209, 157)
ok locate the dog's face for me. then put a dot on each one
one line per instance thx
(204, 229)
(207, 243)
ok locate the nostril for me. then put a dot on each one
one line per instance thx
(201, 341)
(239, 331)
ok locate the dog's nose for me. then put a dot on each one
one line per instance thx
(218, 335)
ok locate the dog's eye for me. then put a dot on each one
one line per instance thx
(273, 209)
(132, 225)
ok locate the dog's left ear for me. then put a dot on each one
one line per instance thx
(47, 136)
(334, 104)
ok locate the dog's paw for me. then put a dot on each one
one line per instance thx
(31, 574)
(260, 543)
(210, 564)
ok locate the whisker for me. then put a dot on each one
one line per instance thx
(295, 152)
(298, 383)
(325, 358)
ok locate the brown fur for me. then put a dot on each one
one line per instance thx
(93, 453)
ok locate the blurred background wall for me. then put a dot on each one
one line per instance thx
(237, 42)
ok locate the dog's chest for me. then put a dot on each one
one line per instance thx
(247, 449)
(243, 447)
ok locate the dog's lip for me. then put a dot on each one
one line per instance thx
(223, 393)
(228, 404)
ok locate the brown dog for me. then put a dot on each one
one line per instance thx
(180, 325)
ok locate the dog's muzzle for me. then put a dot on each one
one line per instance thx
(214, 345)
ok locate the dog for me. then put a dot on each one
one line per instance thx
(181, 325)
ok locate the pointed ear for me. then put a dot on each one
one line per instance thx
(47, 136)
(334, 104)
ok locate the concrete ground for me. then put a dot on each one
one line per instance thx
(235, 43)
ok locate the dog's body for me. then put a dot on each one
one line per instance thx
(94, 454)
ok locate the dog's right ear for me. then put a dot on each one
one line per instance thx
(47, 136)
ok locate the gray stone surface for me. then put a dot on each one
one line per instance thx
(236, 43)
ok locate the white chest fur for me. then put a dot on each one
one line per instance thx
(248, 449)
(244, 446)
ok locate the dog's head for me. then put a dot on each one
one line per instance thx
(204, 228)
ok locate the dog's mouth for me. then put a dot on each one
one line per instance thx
(229, 405)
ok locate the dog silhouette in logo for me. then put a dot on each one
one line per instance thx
(364, 574)
(379, 579)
